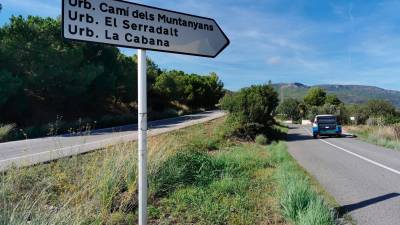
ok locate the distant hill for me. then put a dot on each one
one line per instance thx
(347, 93)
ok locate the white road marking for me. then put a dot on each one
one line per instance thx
(359, 156)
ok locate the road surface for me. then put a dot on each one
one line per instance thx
(363, 178)
(33, 151)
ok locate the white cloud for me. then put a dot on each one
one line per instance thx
(275, 60)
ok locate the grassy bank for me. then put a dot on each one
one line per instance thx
(385, 136)
(197, 176)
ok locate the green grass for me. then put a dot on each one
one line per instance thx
(237, 184)
(196, 176)
(299, 202)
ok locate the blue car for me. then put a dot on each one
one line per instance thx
(326, 125)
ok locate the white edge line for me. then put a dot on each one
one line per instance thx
(359, 156)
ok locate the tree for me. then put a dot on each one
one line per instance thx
(43, 76)
(315, 97)
(10, 86)
(56, 76)
(379, 108)
(358, 112)
(312, 112)
(192, 90)
(252, 109)
(332, 100)
(303, 110)
(290, 109)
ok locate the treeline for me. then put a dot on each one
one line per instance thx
(317, 101)
(42, 77)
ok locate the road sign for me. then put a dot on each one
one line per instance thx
(132, 25)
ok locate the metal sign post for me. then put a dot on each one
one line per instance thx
(126, 24)
(142, 138)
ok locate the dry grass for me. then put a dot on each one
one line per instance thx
(5, 130)
(102, 183)
(386, 136)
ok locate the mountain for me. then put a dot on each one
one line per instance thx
(356, 94)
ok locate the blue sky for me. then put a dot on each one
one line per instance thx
(308, 41)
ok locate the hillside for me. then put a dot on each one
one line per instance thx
(347, 93)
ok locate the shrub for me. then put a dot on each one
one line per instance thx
(251, 110)
(392, 119)
(375, 121)
(290, 109)
(379, 108)
(261, 139)
(6, 130)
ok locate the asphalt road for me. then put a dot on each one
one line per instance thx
(363, 178)
(33, 151)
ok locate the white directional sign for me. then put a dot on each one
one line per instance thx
(132, 25)
(127, 24)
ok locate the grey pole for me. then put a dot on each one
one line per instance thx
(142, 135)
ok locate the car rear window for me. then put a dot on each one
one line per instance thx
(327, 120)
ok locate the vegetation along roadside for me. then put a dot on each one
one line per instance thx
(206, 174)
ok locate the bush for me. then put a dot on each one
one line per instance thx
(6, 130)
(375, 121)
(261, 139)
(392, 119)
(251, 110)
(290, 109)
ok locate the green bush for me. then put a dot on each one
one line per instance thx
(261, 139)
(290, 109)
(251, 110)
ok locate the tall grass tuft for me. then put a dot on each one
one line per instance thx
(317, 213)
(187, 167)
(261, 139)
(5, 130)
